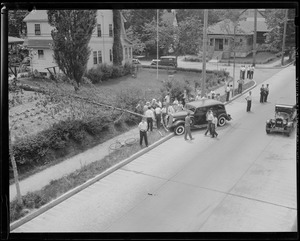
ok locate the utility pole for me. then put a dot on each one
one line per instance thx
(157, 44)
(204, 53)
(255, 36)
(233, 74)
(284, 34)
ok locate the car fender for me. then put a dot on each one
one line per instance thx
(226, 116)
(178, 122)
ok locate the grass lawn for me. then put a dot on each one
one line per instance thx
(105, 92)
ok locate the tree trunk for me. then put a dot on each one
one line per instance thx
(15, 169)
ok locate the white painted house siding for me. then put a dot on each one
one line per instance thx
(102, 45)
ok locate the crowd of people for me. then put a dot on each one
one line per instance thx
(247, 71)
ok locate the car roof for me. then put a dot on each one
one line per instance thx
(167, 57)
(205, 102)
(284, 106)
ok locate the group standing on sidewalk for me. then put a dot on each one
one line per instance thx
(264, 92)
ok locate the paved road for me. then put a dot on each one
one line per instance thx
(243, 181)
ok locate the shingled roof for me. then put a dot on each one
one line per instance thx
(244, 27)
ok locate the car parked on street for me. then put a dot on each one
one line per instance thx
(284, 120)
(165, 61)
(198, 110)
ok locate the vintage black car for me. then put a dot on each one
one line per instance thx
(165, 61)
(284, 121)
(198, 110)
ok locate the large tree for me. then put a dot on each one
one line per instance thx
(71, 36)
(137, 19)
(117, 45)
(275, 19)
(16, 26)
(176, 40)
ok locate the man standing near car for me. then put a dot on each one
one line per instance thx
(143, 126)
(187, 125)
(150, 117)
(209, 118)
(214, 126)
(158, 116)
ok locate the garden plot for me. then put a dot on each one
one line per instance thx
(33, 113)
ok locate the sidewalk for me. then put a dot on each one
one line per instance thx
(41, 179)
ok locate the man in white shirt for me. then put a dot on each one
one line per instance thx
(150, 117)
(143, 126)
(209, 118)
(249, 100)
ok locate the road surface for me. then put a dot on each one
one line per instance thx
(243, 181)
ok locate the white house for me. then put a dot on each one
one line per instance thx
(101, 44)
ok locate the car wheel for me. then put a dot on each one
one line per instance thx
(268, 131)
(179, 130)
(221, 121)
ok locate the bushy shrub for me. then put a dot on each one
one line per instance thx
(95, 75)
(36, 150)
(127, 68)
(176, 88)
(106, 71)
(103, 72)
(117, 71)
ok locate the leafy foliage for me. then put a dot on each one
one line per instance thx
(104, 72)
(16, 26)
(275, 20)
(71, 35)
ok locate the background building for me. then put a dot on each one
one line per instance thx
(101, 44)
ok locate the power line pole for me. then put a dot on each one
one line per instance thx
(157, 44)
(204, 53)
(255, 36)
(284, 35)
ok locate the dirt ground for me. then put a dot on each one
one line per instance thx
(29, 117)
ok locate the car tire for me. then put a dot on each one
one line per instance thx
(268, 131)
(179, 130)
(221, 121)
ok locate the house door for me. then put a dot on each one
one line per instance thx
(219, 44)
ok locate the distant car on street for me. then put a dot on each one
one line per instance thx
(165, 61)
(284, 120)
(198, 110)
(136, 61)
(154, 61)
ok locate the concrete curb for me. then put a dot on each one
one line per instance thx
(72, 192)
(239, 95)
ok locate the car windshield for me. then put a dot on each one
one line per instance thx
(190, 107)
(284, 115)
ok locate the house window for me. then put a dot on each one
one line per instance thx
(126, 53)
(226, 42)
(110, 30)
(99, 57)
(99, 30)
(211, 42)
(95, 57)
(130, 53)
(37, 29)
(110, 55)
(40, 54)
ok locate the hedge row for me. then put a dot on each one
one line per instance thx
(104, 72)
